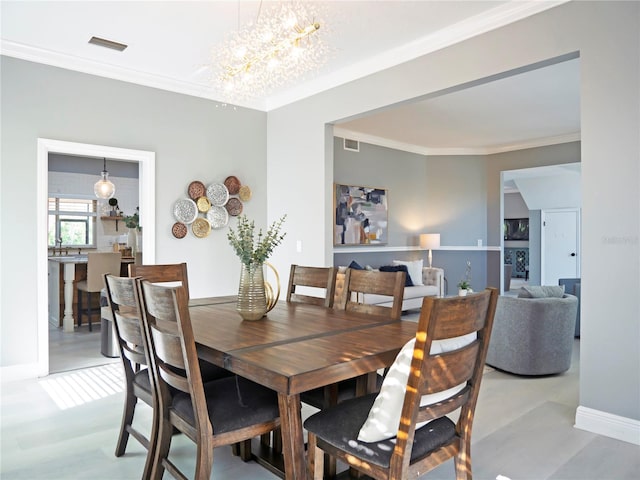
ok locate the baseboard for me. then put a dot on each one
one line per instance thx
(608, 424)
(20, 372)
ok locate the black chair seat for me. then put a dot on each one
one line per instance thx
(142, 380)
(232, 403)
(339, 426)
(346, 390)
(209, 371)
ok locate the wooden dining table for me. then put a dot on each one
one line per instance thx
(295, 348)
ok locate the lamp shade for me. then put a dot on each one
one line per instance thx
(429, 240)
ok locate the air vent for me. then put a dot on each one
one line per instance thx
(352, 145)
(101, 42)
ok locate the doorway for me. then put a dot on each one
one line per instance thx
(146, 161)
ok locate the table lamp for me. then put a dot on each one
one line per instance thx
(430, 241)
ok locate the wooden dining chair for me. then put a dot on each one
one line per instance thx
(172, 272)
(358, 283)
(132, 346)
(443, 369)
(98, 263)
(321, 279)
(212, 414)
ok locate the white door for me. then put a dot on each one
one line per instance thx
(560, 245)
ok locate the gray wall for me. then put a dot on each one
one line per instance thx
(606, 34)
(438, 194)
(193, 140)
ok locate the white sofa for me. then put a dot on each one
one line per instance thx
(432, 278)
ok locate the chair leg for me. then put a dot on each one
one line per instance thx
(315, 459)
(89, 310)
(79, 308)
(245, 450)
(204, 459)
(127, 418)
(162, 449)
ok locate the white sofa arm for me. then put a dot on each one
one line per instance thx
(434, 276)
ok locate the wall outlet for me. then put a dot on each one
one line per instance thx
(299, 246)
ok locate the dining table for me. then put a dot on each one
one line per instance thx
(297, 347)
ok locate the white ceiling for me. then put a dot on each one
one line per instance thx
(170, 44)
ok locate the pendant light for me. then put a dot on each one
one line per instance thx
(104, 188)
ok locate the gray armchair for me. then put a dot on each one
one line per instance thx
(533, 336)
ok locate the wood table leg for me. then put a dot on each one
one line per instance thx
(295, 467)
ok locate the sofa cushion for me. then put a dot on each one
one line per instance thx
(385, 413)
(545, 291)
(414, 268)
(398, 268)
(355, 265)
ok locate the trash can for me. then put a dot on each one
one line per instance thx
(108, 340)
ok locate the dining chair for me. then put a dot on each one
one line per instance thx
(356, 283)
(316, 278)
(171, 272)
(98, 263)
(132, 346)
(373, 282)
(404, 431)
(212, 414)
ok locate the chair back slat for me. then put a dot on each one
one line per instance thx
(449, 369)
(316, 277)
(173, 272)
(362, 282)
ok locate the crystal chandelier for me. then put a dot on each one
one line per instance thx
(282, 45)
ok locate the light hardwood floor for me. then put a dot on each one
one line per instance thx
(523, 430)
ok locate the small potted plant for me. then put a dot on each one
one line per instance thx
(464, 285)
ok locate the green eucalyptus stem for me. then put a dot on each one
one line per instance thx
(252, 250)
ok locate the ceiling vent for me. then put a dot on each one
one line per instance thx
(101, 42)
(351, 145)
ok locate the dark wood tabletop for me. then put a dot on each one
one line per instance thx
(295, 348)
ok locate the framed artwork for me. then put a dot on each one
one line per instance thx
(516, 229)
(360, 215)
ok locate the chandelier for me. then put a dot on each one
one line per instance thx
(104, 188)
(282, 45)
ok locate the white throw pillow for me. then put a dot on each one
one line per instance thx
(384, 417)
(414, 268)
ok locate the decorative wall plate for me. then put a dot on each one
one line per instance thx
(185, 210)
(234, 207)
(201, 227)
(218, 217)
(233, 184)
(244, 193)
(179, 230)
(203, 204)
(217, 194)
(196, 190)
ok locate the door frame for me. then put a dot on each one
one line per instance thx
(543, 214)
(147, 196)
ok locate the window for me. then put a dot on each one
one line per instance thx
(72, 222)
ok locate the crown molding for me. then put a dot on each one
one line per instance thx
(83, 65)
(490, 20)
(428, 151)
(482, 23)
